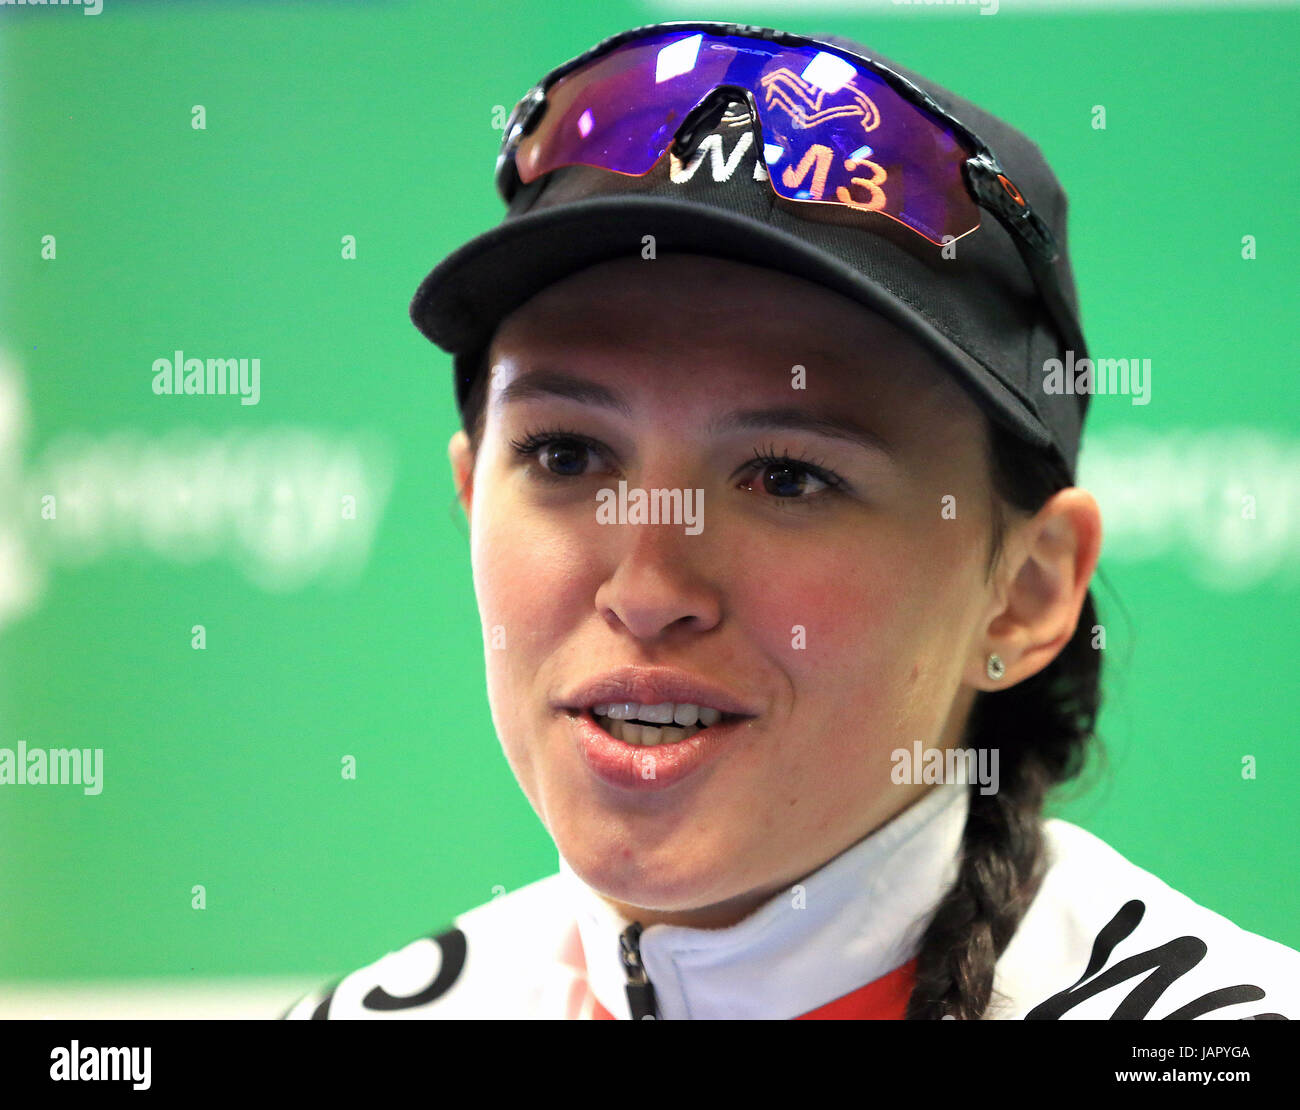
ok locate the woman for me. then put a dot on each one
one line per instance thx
(783, 574)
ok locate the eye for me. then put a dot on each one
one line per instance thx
(789, 479)
(565, 455)
(561, 454)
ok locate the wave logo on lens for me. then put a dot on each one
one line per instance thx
(804, 101)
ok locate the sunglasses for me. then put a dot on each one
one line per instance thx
(834, 127)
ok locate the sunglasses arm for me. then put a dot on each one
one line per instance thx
(1033, 239)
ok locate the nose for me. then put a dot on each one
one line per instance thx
(657, 587)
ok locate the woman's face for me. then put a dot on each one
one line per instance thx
(847, 617)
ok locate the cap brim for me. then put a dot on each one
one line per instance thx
(461, 302)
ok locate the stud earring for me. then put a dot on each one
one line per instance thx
(996, 668)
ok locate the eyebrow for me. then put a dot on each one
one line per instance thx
(553, 383)
(830, 425)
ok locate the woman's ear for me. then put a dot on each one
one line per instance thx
(1048, 563)
(462, 469)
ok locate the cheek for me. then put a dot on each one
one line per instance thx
(937, 593)
(536, 572)
(529, 568)
(834, 609)
(868, 628)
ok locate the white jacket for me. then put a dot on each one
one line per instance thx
(1101, 939)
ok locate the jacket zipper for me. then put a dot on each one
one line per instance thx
(640, 991)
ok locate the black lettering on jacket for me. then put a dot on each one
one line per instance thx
(452, 944)
(1165, 964)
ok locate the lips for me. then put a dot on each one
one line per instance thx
(639, 768)
(644, 685)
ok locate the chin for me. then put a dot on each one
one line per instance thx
(664, 879)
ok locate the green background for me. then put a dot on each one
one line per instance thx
(222, 767)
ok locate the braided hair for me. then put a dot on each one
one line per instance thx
(1041, 727)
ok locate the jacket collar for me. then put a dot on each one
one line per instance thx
(859, 917)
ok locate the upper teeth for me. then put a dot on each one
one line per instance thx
(668, 712)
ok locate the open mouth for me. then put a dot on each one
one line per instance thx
(651, 725)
